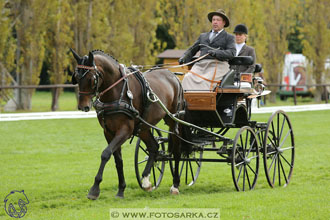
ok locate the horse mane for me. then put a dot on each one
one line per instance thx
(102, 53)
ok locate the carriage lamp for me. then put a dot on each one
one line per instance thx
(246, 77)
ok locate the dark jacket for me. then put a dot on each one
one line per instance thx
(247, 51)
(224, 44)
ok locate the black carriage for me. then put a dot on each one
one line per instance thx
(212, 115)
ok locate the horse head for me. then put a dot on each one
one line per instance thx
(88, 78)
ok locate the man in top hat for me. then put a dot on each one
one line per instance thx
(220, 45)
(241, 33)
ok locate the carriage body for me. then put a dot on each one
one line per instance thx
(229, 105)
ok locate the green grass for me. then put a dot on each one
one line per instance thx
(55, 162)
(42, 101)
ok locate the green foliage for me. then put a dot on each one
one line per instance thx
(42, 31)
(55, 162)
(7, 41)
(316, 36)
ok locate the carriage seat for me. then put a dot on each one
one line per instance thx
(231, 79)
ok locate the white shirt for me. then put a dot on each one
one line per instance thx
(239, 48)
(216, 34)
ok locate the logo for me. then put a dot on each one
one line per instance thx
(15, 204)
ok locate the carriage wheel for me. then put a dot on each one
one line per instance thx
(189, 167)
(278, 149)
(245, 159)
(141, 158)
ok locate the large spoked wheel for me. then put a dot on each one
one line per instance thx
(141, 158)
(278, 149)
(245, 159)
(189, 167)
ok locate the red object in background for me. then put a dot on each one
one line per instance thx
(286, 80)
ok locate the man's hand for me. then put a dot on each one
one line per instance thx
(212, 53)
(181, 60)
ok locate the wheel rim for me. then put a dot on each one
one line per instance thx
(189, 167)
(245, 159)
(279, 150)
(141, 157)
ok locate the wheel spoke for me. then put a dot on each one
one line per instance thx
(271, 164)
(251, 147)
(273, 129)
(279, 171)
(274, 174)
(286, 179)
(252, 169)
(246, 142)
(239, 164)
(244, 178)
(270, 153)
(191, 171)
(239, 173)
(242, 145)
(278, 128)
(286, 136)
(144, 150)
(272, 142)
(143, 161)
(247, 177)
(154, 175)
(182, 168)
(286, 161)
(280, 135)
(187, 171)
(159, 170)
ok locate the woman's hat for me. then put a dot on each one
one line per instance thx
(221, 13)
(241, 29)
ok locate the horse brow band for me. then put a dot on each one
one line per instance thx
(86, 67)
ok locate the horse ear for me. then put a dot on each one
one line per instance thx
(76, 56)
(90, 61)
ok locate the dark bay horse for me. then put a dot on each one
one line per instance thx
(121, 102)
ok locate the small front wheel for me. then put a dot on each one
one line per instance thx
(142, 156)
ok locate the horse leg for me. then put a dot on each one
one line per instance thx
(117, 141)
(152, 147)
(120, 172)
(177, 156)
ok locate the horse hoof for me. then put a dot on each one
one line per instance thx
(174, 190)
(120, 195)
(148, 188)
(92, 197)
(146, 184)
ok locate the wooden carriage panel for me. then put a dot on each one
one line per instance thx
(201, 100)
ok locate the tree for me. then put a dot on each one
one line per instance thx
(278, 23)
(59, 39)
(7, 48)
(316, 37)
(30, 29)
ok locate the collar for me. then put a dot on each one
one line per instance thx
(212, 31)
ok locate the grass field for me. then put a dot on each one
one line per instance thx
(55, 162)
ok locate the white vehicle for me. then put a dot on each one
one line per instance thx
(294, 74)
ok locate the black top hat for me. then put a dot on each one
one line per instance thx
(221, 13)
(241, 28)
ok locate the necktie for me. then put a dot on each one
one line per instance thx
(213, 35)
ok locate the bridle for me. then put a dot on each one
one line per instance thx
(96, 77)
